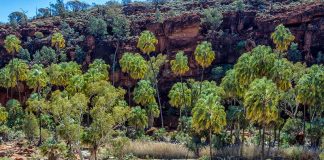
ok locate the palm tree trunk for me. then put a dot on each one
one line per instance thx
(201, 79)
(304, 127)
(269, 143)
(40, 117)
(157, 92)
(114, 63)
(242, 145)
(210, 143)
(262, 139)
(128, 90)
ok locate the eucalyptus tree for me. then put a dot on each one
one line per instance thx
(282, 37)
(76, 84)
(261, 101)
(204, 55)
(108, 104)
(209, 115)
(146, 43)
(121, 30)
(37, 79)
(38, 104)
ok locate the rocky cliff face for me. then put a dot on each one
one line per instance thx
(184, 32)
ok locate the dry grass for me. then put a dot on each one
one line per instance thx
(158, 150)
(164, 150)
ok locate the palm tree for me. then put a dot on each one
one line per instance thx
(209, 115)
(58, 41)
(19, 68)
(204, 55)
(180, 96)
(146, 43)
(12, 44)
(6, 79)
(310, 91)
(282, 37)
(261, 101)
(179, 66)
(37, 79)
(135, 65)
(138, 118)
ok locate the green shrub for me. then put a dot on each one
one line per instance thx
(97, 27)
(45, 56)
(293, 53)
(30, 127)
(15, 114)
(290, 130)
(213, 18)
(39, 35)
(24, 55)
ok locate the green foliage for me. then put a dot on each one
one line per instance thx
(144, 93)
(158, 16)
(238, 5)
(58, 41)
(293, 53)
(97, 27)
(98, 70)
(15, 114)
(146, 42)
(261, 101)
(53, 150)
(12, 44)
(291, 129)
(61, 73)
(208, 114)
(282, 37)
(18, 69)
(204, 55)
(37, 77)
(39, 35)
(138, 118)
(79, 54)
(120, 27)
(17, 18)
(6, 78)
(30, 125)
(119, 145)
(179, 65)
(156, 62)
(58, 8)
(24, 55)
(3, 115)
(134, 64)
(219, 71)
(320, 58)
(213, 18)
(180, 95)
(43, 12)
(45, 56)
(310, 87)
(76, 5)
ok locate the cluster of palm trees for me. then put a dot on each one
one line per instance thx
(86, 107)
